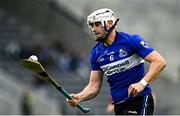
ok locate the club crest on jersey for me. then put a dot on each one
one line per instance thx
(144, 44)
(122, 53)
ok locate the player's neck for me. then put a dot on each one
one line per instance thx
(110, 39)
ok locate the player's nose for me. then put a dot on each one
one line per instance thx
(93, 29)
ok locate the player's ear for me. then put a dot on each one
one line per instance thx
(110, 23)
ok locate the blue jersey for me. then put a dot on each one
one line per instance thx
(122, 63)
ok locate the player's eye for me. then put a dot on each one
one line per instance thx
(97, 23)
(91, 24)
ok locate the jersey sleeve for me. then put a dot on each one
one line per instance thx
(94, 65)
(140, 46)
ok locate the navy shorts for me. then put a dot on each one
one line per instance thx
(141, 105)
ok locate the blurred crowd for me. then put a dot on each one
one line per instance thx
(51, 55)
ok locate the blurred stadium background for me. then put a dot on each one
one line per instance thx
(55, 31)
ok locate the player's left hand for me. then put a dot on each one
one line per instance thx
(135, 89)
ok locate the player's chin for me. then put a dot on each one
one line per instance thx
(98, 36)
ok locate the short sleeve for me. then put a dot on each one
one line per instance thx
(140, 46)
(94, 65)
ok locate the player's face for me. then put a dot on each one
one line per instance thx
(97, 29)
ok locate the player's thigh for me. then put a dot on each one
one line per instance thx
(141, 105)
(120, 109)
(148, 105)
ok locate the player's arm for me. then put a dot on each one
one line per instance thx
(157, 64)
(91, 90)
(94, 86)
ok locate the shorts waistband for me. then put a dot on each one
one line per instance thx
(130, 99)
(120, 102)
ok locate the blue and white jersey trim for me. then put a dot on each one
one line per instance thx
(121, 65)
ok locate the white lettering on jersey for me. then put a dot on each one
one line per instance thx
(121, 65)
(110, 53)
(102, 59)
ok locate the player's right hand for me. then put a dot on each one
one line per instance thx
(75, 100)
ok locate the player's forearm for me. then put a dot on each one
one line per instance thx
(89, 92)
(154, 70)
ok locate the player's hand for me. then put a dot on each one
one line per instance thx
(75, 100)
(135, 89)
